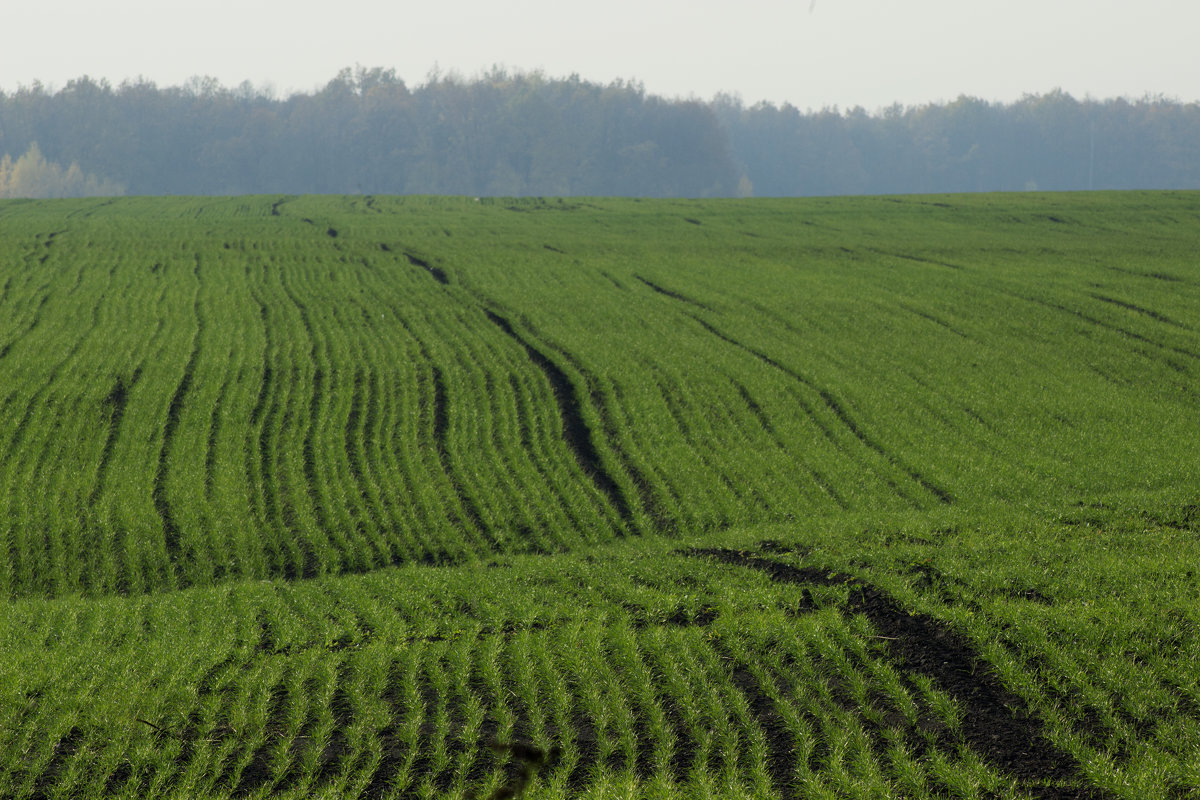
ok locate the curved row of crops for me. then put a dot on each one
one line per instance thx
(640, 672)
(212, 392)
(424, 497)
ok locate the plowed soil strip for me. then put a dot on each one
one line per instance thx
(996, 723)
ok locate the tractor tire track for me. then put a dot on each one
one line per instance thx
(651, 503)
(114, 404)
(441, 439)
(544, 458)
(1156, 276)
(837, 409)
(435, 421)
(581, 440)
(728, 415)
(808, 409)
(1151, 313)
(37, 402)
(214, 433)
(318, 358)
(1108, 326)
(35, 318)
(675, 406)
(172, 535)
(835, 406)
(577, 435)
(765, 423)
(437, 273)
(180, 562)
(259, 471)
(936, 320)
(997, 724)
(673, 294)
(917, 259)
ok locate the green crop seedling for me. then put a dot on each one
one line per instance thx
(405, 497)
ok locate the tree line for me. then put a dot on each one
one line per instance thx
(504, 133)
(1040, 142)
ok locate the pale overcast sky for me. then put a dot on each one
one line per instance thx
(811, 53)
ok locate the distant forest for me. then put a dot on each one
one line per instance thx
(527, 134)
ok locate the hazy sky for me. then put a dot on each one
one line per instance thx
(811, 53)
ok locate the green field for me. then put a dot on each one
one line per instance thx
(444, 497)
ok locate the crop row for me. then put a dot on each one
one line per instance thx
(210, 415)
(198, 391)
(658, 671)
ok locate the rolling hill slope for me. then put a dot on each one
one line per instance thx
(423, 497)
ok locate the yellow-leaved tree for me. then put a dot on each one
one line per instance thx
(32, 175)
